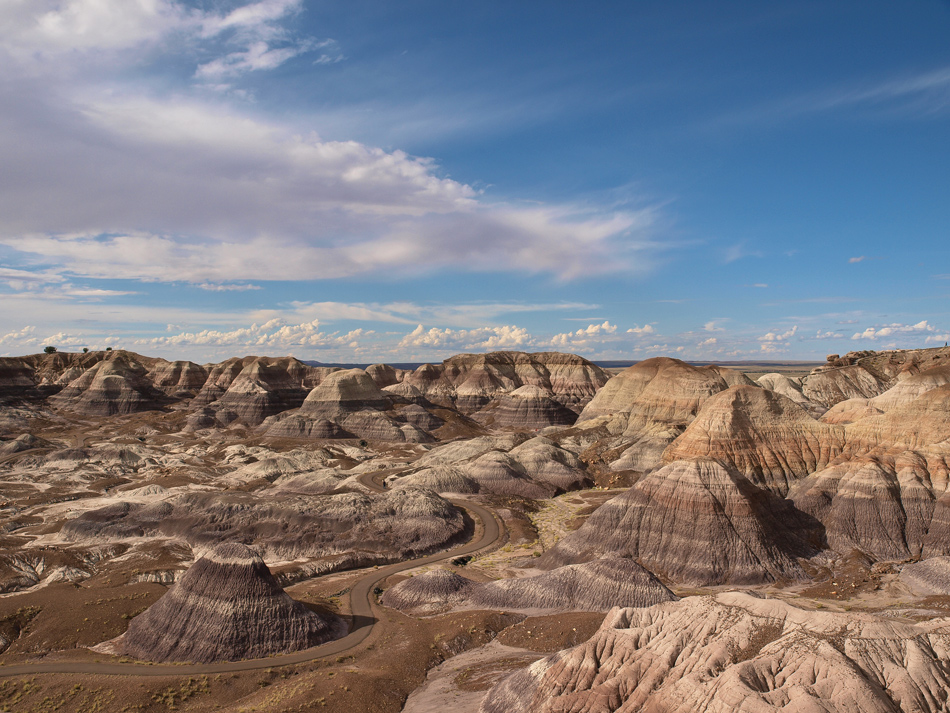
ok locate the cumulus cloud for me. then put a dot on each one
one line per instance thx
(645, 329)
(274, 334)
(713, 326)
(24, 336)
(708, 342)
(504, 337)
(892, 329)
(772, 337)
(115, 182)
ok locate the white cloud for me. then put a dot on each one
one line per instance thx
(645, 329)
(708, 342)
(713, 326)
(938, 338)
(504, 337)
(23, 336)
(771, 337)
(212, 287)
(273, 335)
(892, 329)
(857, 259)
(828, 335)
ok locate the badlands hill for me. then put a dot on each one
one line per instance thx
(227, 607)
(291, 399)
(825, 499)
(738, 652)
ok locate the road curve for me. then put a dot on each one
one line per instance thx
(361, 603)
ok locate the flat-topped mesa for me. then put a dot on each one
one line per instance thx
(116, 386)
(226, 607)
(593, 586)
(766, 437)
(697, 523)
(651, 403)
(735, 652)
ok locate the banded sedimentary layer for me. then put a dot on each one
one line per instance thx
(226, 607)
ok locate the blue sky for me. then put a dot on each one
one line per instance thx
(369, 181)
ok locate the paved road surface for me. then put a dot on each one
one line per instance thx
(361, 602)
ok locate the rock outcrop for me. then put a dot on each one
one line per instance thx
(116, 386)
(529, 408)
(930, 577)
(737, 652)
(650, 404)
(226, 607)
(764, 436)
(697, 523)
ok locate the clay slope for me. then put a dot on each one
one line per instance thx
(697, 523)
(651, 403)
(534, 468)
(883, 507)
(737, 652)
(226, 607)
(351, 526)
(116, 386)
(764, 436)
(526, 408)
(350, 404)
(594, 586)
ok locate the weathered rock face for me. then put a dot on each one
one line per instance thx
(882, 507)
(791, 389)
(594, 586)
(833, 386)
(178, 379)
(265, 387)
(737, 652)
(763, 435)
(226, 607)
(469, 382)
(440, 478)
(920, 423)
(16, 377)
(350, 404)
(526, 408)
(649, 404)
(697, 523)
(384, 375)
(119, 385)
(932, 576)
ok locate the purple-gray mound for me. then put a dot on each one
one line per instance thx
(593, 586)
(227, 607)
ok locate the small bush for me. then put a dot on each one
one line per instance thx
(49, 350)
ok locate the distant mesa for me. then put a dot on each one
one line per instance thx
(226, 607)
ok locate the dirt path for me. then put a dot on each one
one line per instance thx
(362, 606)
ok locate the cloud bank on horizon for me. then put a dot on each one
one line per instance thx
(178, 180)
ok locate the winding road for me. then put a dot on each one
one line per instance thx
(362, 605)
